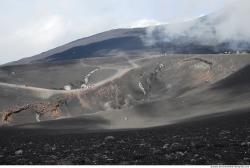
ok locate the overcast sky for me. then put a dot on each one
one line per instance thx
(29, 27)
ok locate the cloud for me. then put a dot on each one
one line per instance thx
(43, 32)
(145, 23)
(37, 36)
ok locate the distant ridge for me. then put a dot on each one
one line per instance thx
(135, 41)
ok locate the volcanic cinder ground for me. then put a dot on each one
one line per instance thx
(147, 109)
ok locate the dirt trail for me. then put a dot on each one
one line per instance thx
(47, 93)
(39, 92)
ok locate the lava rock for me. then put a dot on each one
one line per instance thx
(165, 146)
(109, 138)
(19, 152)
(245, 144)
(218, 156)
(177, 147)
(53, 148)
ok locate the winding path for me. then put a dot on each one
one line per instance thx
(47, 93)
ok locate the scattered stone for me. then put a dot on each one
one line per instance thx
(245, 144)
(218, 156)
(121, 141)
(50, 162)
(53, 147)
(176, 147)
(165, 146)
(109, 159)
(176, 136)
(105, 156)
(242, 162)
(124, 163)
(46, 145)
(53, 157)
(193, 161)
(64, 162)
(98, 145)
(47, 148)
(196, 155)
(168, 157)
(224, 132)
(19, 152)
(202, 160)
(142, 144)
(180, 154)
(155, 151)
(77, 150)
(109, 138)
(220, 145)
(66, 151)
(200, 144)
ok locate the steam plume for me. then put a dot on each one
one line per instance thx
(229, 25)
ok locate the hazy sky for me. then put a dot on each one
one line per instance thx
(29, 27)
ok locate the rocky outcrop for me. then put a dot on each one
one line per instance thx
(41, 109)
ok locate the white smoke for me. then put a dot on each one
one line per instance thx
(235, 22)
(230, 24)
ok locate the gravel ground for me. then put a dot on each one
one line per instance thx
(216, 139)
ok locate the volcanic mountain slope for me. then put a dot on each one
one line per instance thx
(135, 92)
(198, 36)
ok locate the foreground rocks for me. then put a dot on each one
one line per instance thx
(218, 140)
